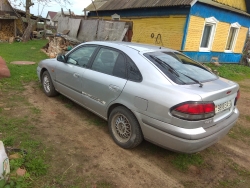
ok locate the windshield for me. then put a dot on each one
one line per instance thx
(179, 68)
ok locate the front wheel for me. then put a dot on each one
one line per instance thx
(48, 86)
(124, 128)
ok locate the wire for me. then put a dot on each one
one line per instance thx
(158, 40)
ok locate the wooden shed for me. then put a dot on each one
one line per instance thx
(8, 21)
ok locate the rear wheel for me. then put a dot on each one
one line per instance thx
(124, 128)
(48, 86)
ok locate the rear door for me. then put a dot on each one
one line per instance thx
(105, 79)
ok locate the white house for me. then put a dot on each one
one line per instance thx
(50, 16)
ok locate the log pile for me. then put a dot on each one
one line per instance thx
(57, 45)
(7, 31)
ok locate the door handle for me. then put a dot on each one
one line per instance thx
(76, 75)
(113, 88)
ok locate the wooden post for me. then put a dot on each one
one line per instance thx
(15, 27)
(44, 29)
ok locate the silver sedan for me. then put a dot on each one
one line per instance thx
(145, 92)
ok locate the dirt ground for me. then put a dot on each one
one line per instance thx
(81, 150)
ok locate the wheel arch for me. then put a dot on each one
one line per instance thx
(41, 73)
(113, 106)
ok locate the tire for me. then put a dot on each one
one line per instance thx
(124, 128)
(48, 86)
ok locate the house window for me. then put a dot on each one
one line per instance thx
(232, 37)
(208, 34)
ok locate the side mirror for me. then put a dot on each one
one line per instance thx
(61, 58)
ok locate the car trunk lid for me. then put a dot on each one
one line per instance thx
(221, 91)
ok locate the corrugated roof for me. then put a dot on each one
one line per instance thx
(131, 4)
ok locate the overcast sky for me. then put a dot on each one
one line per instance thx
(76, 6)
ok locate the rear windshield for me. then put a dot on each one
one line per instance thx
(179, 68)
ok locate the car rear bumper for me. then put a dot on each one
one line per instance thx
(184, 140)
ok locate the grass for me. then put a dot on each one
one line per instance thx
(16, 134)
(248, 118)
(231, 183)
(243, 175)
(231, 71)
(16, 131)
(183, 161)
(239, 132)
(17, 52)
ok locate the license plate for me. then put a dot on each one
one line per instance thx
(223, 106)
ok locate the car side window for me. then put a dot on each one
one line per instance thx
(105, 61)
(120, 69)
(133, 72)
(81, 56)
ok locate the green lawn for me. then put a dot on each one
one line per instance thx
(233, 72)
(16, 131)
(18, 51)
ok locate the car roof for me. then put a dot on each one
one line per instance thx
(136, 46)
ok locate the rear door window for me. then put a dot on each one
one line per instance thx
(133, 72)
(110, 62)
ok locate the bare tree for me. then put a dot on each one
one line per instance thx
(27, 4)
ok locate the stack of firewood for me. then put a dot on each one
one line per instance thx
(57, 45)
(7, 31)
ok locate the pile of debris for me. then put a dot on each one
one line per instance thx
(58, 45)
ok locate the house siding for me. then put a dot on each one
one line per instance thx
(220, 38)
(168, 23)
(207, 56)
(144, 12)
(181, 28)
(195, 30)
(194, 34)
(171, 31)
(223, 15)
(241, 40)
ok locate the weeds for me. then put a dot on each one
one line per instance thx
(9, 141)
(247, 118)
(183, 161)
(231, 183)
(233, 72)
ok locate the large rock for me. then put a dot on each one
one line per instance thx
(4, 71)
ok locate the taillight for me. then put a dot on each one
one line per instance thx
(237, 98)
(194, 111)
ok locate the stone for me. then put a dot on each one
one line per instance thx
(4, 71)
(20, 172)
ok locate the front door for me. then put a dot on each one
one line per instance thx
(69, 75)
